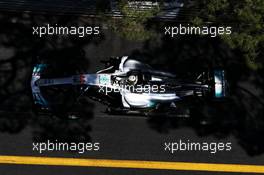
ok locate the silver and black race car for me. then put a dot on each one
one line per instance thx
(125, 86)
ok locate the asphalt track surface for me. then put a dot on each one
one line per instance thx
(121, 137)
(70, 7)
(75, 7)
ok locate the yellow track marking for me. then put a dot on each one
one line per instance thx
(138, 164)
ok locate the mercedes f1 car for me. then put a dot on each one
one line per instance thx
(125, 85)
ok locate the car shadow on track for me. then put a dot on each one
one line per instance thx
(241, 114)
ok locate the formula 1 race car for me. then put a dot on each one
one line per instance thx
(126, 86)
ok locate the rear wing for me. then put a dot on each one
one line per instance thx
(220, 84)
